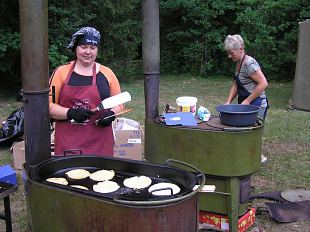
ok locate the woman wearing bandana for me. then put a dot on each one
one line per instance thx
(78, 87)
(249, 82)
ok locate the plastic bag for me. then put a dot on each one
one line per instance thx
(203, 114)
(125, 124)
(13, 127)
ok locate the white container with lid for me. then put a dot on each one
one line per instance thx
(187, 104)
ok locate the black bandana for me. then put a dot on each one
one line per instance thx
(86, 35)
(88, 40)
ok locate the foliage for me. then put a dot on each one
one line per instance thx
(192, 34)
(9, 49)
(270, 29)
(9, 43)
(117, 22)
(55, 56)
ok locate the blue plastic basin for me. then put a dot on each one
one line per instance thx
(237, 114)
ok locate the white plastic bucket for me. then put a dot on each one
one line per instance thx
(187, 104)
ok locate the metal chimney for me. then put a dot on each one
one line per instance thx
(151, 56)
(34, 63)
(301, 93)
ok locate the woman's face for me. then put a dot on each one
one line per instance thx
(235, 55)
(86, 54)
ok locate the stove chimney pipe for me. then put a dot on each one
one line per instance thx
(151, 56)
(34, 63)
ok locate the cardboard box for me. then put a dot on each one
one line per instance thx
(8, 175)
(219, 221)
(128, 139)
(19, 154)
(18, 149)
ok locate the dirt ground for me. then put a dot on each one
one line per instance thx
(264, 222)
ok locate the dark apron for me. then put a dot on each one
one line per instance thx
(242, 92)
(86, 138)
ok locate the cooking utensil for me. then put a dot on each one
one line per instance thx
(294, 195)
(119, 113)
(115, 100)
(206, 188)
(170, 109)
(164, 189)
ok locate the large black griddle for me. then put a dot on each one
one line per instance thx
(58, 166)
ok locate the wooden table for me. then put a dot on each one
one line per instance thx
(5, 190)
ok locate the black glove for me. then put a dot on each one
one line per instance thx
(106, 118)
(79, 115)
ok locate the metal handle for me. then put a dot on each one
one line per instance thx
(53, 94)
(72, 150)
(182, 163)
(160, 189)
(199, 175)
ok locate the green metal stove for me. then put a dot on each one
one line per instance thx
(228, 156)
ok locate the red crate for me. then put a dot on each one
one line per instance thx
(221, 222)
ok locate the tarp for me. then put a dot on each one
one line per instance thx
(289, 211)
(13, 127)
(301, 93)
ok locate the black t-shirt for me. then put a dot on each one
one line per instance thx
(101, 81)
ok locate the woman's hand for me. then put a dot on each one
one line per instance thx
(106, 118)
(79, 115)
(245, 102)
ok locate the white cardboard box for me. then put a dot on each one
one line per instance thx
(18, 154)
(128, 139)
(18, 149)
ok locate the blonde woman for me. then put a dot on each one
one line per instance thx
(249, 82)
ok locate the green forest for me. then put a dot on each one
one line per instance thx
(191, 35)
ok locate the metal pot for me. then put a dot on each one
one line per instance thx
(237, 114)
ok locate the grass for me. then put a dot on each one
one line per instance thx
(286, 138)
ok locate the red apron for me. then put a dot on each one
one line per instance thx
(82, 138)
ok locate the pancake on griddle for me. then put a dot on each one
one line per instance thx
(102, 175)
(57, 180)
(78, 174)
(137, 182)
(106, 186)
(79, 187)
(164, 189)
